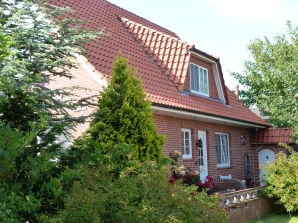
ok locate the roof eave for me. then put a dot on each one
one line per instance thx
(200, 116)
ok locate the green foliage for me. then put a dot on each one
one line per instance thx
(121, 176)
(270, 78)
(5, 41)
(123, 122)
(282, 180)
(144, 197)
(125, 112)
(274, 218)
(42, 48)
(12, 143)
(32, 180)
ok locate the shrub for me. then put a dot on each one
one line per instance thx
(282, 180)
(143, 197)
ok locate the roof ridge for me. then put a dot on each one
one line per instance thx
(134, 14)
(123, 19)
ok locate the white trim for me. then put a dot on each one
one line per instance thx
(203, 57)
(219, 85)
(204, 168)
(91, 70)
(186, 156)
(190, 80)
(227, 164)
(202, 117)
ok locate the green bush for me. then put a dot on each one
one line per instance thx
(282, 180)
(145, 196)
(122, 176)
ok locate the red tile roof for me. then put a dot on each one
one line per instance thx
(273, 136)
(169, 52)
(159, 55)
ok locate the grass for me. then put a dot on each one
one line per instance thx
(275, 218)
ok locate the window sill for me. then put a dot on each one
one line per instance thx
(223, 167)
(199, 93)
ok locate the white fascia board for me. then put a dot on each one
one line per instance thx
(95, 74)
(202, 117)
(218, 84)
(203, 57)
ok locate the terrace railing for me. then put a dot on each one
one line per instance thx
(237, 197)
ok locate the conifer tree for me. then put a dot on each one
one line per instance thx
(124, 117)
(35, 46)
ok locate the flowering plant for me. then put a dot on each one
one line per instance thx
(209, 185)
(190, 177)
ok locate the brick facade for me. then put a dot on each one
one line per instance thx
(171, 128)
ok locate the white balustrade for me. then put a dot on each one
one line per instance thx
(240, 196)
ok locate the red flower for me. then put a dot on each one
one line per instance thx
(172, 180)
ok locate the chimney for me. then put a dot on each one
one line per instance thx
(237, 90)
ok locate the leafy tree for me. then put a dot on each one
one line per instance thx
(270, 78)
(282, 180)
(32, 179)
(5, 41)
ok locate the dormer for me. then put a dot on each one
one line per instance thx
(204, 77)
(191, 70)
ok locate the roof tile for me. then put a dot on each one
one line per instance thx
(273, 136)
(160, 57)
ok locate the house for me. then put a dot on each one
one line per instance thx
(191, 105)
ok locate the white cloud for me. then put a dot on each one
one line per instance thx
(266, 11)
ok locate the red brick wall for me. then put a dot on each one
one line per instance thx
(251, 210)
(171, 128)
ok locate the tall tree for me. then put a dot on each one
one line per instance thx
(123, 128)
(124, 110)
(271, 78)
(31, 180)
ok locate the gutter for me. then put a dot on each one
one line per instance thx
(184, 113)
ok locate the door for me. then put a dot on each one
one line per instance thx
(202, 155)
(265, 157)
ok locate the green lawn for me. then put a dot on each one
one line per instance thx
(277, 219)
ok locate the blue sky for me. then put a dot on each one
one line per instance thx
(222, 28)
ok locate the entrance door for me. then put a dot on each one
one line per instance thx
(265, 157)
(202, 157)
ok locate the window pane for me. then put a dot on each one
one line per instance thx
(187, 152)
(218, 149)
(199, 79)
(222, 149)
(186, 143)
(225, 148)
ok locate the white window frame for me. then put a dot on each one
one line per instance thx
(224, 150)
(184, 143)
(203, 80)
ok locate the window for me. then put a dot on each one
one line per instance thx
(199, 80)
(186, 144)
(222, 150)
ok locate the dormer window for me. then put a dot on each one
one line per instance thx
(199, 80)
